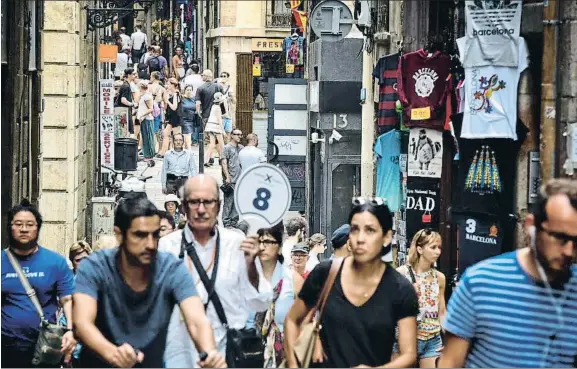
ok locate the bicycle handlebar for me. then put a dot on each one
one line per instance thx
(113, 170)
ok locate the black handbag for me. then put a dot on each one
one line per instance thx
(244, 347)
(47, 349)
(227, 188)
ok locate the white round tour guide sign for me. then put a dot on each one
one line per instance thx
(262, 196)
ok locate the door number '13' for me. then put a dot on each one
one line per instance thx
(261, 200)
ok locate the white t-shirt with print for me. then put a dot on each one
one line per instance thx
(491, 97)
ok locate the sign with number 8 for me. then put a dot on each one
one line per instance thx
(262, 196)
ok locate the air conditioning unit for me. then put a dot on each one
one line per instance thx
(363, 13)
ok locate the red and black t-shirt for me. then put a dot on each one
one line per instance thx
(386, 72)
(423, 83)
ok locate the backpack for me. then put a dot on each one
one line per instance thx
(143, 71)
(154, 64)
(155, 109)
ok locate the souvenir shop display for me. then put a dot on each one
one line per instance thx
(388, 149)
(423, 87)
(492, 33)
(294, 47)
(422, 205)
(425, 156)
(479, 238)
(491, 97)
(386, 73)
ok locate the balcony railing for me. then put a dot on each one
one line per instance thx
(282, 20)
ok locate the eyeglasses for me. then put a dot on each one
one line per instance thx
(560, 237)
(21, 225)
(195, 203)
(375, 201)
(268, 243)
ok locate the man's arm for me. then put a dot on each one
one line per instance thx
(198, 324)
(455, 352)
(192, 167)
(163, 172)
(84, 309)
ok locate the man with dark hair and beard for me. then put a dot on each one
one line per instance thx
(124, 297)
(49, 275)
(519, 309)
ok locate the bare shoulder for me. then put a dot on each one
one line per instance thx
(441, 277)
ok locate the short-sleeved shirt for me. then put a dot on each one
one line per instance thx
(124, 91)
(205, 94)
(230, 153)
(250, 156)
(50, 276)
(388, 150)
(509, 319)
(137, 318)
(354, 335)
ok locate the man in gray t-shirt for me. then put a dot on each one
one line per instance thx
(125, 297)
(231, 172)
(205, 94)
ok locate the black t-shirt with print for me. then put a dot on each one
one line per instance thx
(479, 238)
(422, 208)
(354, 335)
(486, 175)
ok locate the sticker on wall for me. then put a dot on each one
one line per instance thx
(425, 156)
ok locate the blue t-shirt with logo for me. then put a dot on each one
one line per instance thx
(51, 278)
(388, 149)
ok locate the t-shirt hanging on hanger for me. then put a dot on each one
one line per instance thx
(423, 88)
(479, 238)
(491, 97)
(425, 157)
(486, 174)
(294, 50)
(422, 206)
(492, 34)
(386, 72)
(388, 149)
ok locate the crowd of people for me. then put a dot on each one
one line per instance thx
(175, 289)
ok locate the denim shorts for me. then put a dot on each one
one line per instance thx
(227, 122)
(425, 348)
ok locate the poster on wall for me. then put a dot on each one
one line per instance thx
(107, 123)
(422, 207)
(425, 156)
(121, 122)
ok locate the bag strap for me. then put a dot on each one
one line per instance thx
(209, 285)
(29, 289)
(336, 265)
(412, 274)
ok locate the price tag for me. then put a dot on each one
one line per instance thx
(421, 113)
(262, 196)
(290, 68)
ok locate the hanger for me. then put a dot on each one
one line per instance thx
(400, 47)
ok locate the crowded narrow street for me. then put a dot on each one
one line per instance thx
(288, 184)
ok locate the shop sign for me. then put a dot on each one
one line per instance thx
(107, 123)
(267, 44)
(102, 217)
(257, 70)
(107, 53)
(290, 68)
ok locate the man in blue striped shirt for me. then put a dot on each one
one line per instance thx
(519, 309)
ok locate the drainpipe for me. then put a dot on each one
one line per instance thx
(550, 135)
(368, 128)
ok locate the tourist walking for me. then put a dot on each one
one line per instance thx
(178, 165)
(172, 102)
(430, 284)
(214, 130)
(230, 174)
(145, 108)
(365, 300)
(190, 121)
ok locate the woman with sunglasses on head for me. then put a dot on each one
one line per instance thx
(367, 301)
(430, 286)
(286, 285)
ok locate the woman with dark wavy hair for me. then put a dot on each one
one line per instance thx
(368, 299)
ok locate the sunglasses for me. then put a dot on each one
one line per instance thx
(375, 201)
(237, 134)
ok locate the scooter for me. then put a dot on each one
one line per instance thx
(131, 187)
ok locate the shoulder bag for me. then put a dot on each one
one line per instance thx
(308, 338)
(244, 347)
(49, 343)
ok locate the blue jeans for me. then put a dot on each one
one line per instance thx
(425, 348)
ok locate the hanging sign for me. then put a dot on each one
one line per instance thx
(262, 196)
(107, 123)
(425, 157)
(290, 68)
(107, 53)
(257, 70)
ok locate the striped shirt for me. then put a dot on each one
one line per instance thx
(510, 319)
(386, 72)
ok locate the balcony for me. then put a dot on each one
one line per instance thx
(282, 20)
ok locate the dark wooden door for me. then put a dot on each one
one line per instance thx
(243, 116)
